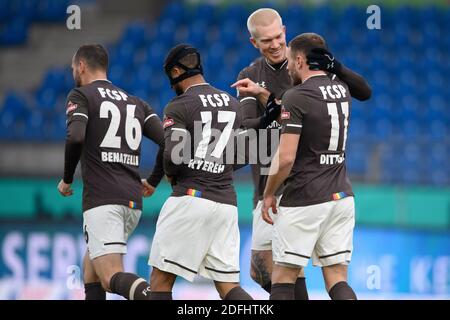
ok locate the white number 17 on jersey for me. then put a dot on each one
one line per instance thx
(227, 117)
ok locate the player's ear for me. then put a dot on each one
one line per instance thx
(299, 61)
(254, 43)
(81, 65)
(175, 72)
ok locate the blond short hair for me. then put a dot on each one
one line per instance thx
(262, 17)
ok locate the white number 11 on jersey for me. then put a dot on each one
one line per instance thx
(335, 125)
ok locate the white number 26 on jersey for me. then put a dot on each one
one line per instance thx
(133, 130)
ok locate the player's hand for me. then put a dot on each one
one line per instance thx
(322, 59)
(65, 188)
(272, 112)
(247, 87)
(147, 188)
(268, 203)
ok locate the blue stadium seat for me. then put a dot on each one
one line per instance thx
(197, 34)
(21, 8)
(125, 53)
(51, 10)
(156, 55)
(14, 109)
(382, 129)
(235, 13)
(166, 31)
(357, 156)
(34, 124)
(116, 74)
(55, 79)
(205, 12)
(148, 154)
(142, 94)
(4, 11)
(46, 99)
(389, 164)
(135, 33)
(14, 32)
(158, 82)
(228, 33)
(438, 130)
(165, 96)
(174, 10)
(142, 78)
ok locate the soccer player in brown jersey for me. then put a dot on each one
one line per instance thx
(104, 129)
(316, 215)
(269, 74)
(197, 231)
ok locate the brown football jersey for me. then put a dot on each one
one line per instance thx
(277, 81)
(209, 117)
(115, 124)
(319, 111)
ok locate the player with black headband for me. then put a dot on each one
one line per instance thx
(197, 230)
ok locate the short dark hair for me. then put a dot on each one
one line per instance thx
(95, 56)
(305, 42)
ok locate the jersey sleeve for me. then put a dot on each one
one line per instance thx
(152, 124)
(292, 112)
(77, 118)
(174, 116)
(251, 115)
(174, 124)
(76, 107)
(358, 86)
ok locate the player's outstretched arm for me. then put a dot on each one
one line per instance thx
(251, 118)
(322, 59)
(358, 86)
(248, 88)
(253, 93)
